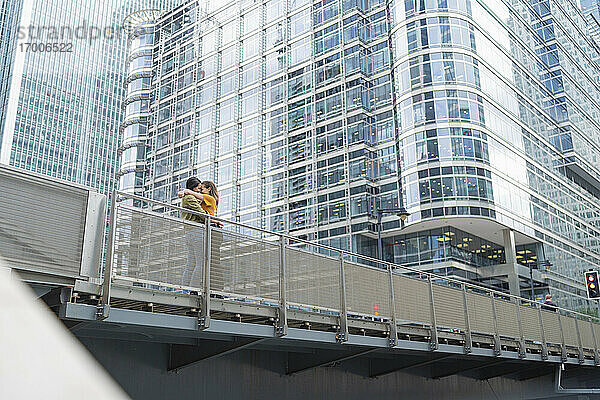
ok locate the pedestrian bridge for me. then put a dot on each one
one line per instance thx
(240, 287)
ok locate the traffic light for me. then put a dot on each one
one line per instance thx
(591, 283)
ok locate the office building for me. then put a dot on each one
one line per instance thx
(10, 12)
(61, 81)
(480, 118)
(591, 10)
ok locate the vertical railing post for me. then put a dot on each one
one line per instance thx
(580, 357)
(468, 337)
(104, 306)
(204, 317)
(281, 328)
(497, 347)
(342, 335)
(596, 358)
(563, 347)
(543, 334)
(522, 351)
(433, 342)
(393, 322)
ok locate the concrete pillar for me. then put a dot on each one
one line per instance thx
(510, 254)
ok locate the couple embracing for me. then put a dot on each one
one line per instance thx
(201, 197)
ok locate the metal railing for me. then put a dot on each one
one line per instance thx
(162, 250)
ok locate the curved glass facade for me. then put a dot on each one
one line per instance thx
(481, 89)
(479, 117)
(132, 160)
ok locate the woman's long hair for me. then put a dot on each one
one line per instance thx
(212, 190)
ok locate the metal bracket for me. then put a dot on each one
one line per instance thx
(559, 389)
(183, 356)
(340, 337)
(203, 322)
(102, 311)
(281, 330)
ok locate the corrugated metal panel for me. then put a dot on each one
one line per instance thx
(506, 313)
(157, 249)
(412, 299)
(42, 223)
(367, 290)
(570, 330)
(312, 279)
(481, 316)
(449, 306)
(585, 329)
(531, 323)
(551, 327)
(244, 266)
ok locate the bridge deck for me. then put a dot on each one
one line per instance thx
(167, 273)
(190, 280)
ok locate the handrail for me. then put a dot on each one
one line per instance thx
(342, 252)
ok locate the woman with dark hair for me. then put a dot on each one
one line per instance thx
(201, 197)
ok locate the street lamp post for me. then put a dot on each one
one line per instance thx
(546, 264)
(531, 280)
(401, 212)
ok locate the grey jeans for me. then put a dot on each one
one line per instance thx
(193, 273)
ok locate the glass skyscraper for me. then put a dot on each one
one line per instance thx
(479, 117)
(61, 81)
(10, 13)
(591, 10)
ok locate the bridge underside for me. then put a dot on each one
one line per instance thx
(155, 363)
(155, 351)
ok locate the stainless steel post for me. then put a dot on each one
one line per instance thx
(204, 318)
(563, 347)
(282, 326)
(433, 343)
(342, 335)
(543, 334)
(596, 358)
(468, 337)
(379, 227)
(580, 355)
(522, 351)
(393, 322)
(531, 281)
(497, 347)
(104, 306)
